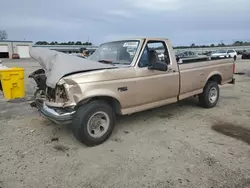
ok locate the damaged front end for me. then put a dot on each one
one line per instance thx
(39, 95)
(61, 93)
(57, 95)
(59, 105)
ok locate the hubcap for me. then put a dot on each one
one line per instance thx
(213, 94)
(98, 124)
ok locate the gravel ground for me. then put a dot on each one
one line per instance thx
(180, 145)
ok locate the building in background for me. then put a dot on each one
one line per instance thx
(9, 48)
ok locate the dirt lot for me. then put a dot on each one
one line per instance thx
(180, 145)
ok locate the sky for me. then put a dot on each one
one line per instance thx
(182, 21)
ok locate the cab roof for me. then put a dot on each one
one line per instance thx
(139, 38)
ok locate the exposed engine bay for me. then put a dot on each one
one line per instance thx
(47, 93)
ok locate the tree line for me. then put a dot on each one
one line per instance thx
(62, 43)
(236, 43)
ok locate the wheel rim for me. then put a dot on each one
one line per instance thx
(98, 124)
(213, 94)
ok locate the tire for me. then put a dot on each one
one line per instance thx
(205, 99)
(95, 133)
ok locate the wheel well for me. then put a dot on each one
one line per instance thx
(215, 78)
(114, 103)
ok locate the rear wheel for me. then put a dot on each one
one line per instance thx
(93, 123)
(210, 95)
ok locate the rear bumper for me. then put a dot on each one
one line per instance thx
(59, 116)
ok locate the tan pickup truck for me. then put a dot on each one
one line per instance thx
(123, 77)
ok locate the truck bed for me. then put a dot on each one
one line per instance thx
(193, 76)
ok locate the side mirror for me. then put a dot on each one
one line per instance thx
(160, 66)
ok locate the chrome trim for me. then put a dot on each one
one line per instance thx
(58, 118)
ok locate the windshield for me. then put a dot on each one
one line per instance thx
(118, 52)
(221, 51)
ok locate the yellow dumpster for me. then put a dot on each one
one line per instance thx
(12, 81)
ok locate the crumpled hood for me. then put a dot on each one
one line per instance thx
(58, 64)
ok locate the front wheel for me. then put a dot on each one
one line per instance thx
(210, 95)
(93, 122)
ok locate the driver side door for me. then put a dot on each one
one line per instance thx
(154, 87)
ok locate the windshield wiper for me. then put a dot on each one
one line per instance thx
(121, 63)
(105, 61)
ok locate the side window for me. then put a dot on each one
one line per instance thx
(157, 48)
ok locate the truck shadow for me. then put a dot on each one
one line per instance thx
(234, 131)
(124, 123)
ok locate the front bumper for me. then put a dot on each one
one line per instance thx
(58, 116)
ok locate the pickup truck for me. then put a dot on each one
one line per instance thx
(121, 78)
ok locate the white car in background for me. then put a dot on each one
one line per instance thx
(224, 54)
(161, 56)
